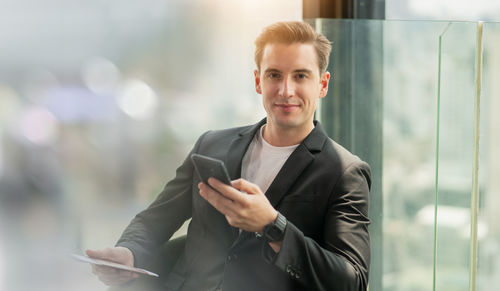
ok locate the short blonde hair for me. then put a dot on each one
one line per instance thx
(290, 32)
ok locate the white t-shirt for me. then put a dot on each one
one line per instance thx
(263, 161)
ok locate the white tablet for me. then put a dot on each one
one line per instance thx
(99, 262)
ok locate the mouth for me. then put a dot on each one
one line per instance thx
(287, 105)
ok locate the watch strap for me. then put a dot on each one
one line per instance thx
(275, 230)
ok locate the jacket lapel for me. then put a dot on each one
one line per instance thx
(295, 165)
(288, 174)
(238, 148)
(235, 155)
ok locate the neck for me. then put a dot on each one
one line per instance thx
(282, 137)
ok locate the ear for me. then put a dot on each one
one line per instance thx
(325, 79)
(257, 82)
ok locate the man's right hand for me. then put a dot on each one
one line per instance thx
(112, 276)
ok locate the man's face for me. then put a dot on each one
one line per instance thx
(290, 84)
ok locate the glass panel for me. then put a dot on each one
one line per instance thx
(489, 171)
(352, 111)
(456, 140)
(99, 103)
(410, 114)
(385, 85)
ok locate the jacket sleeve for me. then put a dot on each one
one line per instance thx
(341, 261)
(155, 225)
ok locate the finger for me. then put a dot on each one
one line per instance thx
(246, 186)
(104, 254)
(116, 254)
(103, 270)
(112, 272)
(118, 278)
(122, 275)
(218, 201)
(226, 190)
(213, 197)
(95, 253)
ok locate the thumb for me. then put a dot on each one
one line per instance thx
(105, 254)
(120, 255)
(98, 254)
(246, 186)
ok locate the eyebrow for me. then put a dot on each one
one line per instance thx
(303, 71)
(271, 70)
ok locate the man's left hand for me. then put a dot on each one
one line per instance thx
(243, 204)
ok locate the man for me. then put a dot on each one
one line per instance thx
(296, 216)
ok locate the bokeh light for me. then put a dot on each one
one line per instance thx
(137, 99)
(100, 75)
(38, 126)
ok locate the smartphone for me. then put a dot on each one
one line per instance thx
(207, 167)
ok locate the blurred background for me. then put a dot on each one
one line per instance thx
(101, 100)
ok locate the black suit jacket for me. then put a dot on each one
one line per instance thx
(322, 190)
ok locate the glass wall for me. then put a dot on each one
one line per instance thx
(455, 132)
(403, 98)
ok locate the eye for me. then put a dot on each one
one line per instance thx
(274, 75)
(301, 76)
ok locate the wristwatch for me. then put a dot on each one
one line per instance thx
(275, 230)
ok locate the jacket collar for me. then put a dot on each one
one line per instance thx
(313, 142)
(293, 167)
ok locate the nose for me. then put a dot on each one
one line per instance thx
(287, 88)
